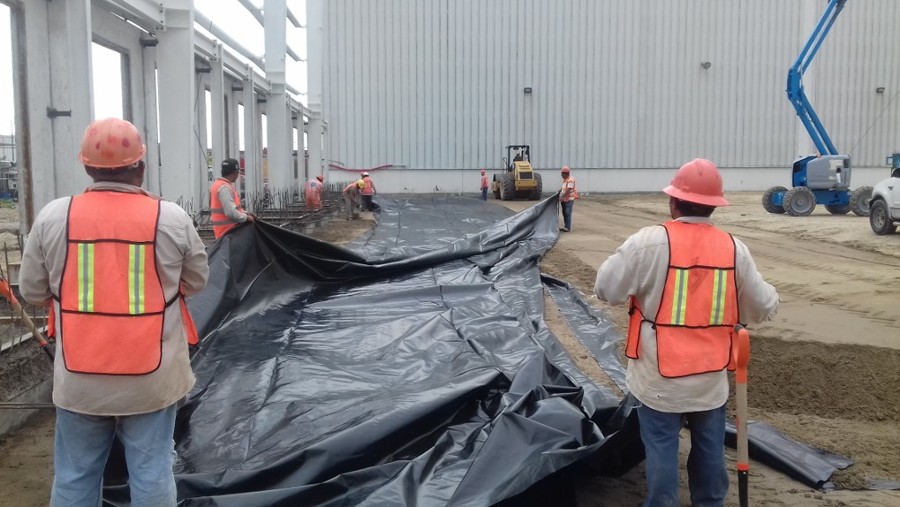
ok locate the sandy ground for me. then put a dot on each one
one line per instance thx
(826, 370)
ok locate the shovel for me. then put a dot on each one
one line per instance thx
(741, 354)
(6, 292)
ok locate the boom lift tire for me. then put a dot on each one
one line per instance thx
(496, 189)
(859, 201)
(539, 189)
(508, 188)
(838, 209)
(770, 206)
(799, 201)
(880, 219)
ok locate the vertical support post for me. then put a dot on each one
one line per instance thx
(179, 174)
(280, 171)
(217, 104)
(152, 176)
(316, 13)
(252, 159)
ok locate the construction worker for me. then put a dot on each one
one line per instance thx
(314, 190)
(115, 262)
(368, 192)
(687, 284)
(484, 185)
(352, 199)
(224, 203)
(567, 195)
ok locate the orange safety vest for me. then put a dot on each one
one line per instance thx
(698, 309)
(217, 217)
(110, 296)
(573, 195)
(369, 189)
(484, 181)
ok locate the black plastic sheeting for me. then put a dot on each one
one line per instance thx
(411, 368)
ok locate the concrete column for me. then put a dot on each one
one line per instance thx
(316, 165)
(217, 115)
(280, 169)
(52, 100)
(179, 175)
(252, 145)
(316, 15)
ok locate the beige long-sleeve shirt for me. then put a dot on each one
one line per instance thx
(639, 268)
(181, 259)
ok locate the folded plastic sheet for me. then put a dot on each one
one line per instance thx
(413, 368)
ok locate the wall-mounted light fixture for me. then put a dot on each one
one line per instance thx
(527, 90)
(880, 89)
(705, 65)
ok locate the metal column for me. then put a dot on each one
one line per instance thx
(277, 115)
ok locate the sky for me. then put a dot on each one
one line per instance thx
(228, 15)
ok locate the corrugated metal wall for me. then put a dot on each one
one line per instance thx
(439, 84)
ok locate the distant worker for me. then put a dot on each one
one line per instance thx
(484, 185)
(352, 198)
(567, 195)
(315, 189)
(115, 263)
(687, 283)
(368, 192)
(224, 203)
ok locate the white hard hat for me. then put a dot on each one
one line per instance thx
(365, 173)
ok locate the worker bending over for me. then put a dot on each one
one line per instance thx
(224, 203)
(314, 190)
(687, 283)
(352, 198)
(116, 263)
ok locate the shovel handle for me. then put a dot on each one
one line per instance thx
(741, 358)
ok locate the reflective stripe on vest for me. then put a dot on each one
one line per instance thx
(217, 217)
(111, 298)
(698, 308)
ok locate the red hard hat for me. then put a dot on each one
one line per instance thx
(699, 182)
(564, 169)
(320, 178)
(111, 143)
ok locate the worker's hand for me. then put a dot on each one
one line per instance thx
(251, 217)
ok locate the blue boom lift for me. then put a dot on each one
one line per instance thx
(823, 178)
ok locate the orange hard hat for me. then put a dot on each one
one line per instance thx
(361, 184)
(565, 169)
(699, 182)
(111, 143)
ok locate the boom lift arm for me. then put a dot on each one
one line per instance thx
(795, 91)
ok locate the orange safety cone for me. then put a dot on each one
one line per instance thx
(741, 357)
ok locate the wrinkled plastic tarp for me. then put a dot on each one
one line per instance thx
(411, 368)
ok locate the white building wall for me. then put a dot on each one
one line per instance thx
(439, 84)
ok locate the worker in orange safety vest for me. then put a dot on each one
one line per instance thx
(313, 191)
(115, 263)
(368, 192)
(484, 185)
(567, 195)
(687, 283)
(225, 208)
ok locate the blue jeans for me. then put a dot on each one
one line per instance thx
(707, 473)
(82, 447)
(567, 213)
(484, 194)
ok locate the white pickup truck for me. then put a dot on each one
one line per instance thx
(884, 206)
